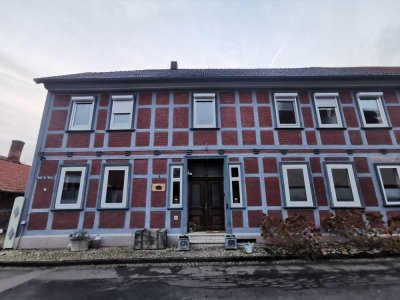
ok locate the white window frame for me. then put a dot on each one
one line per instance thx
(289, 203)
(78, 204)
(107, 170)
(333, 102)
(75, 102)
(204, 97)
(238, 179)
(115, 99)
(349, 167)
(377, 96)
(287, 97)
(379, 167)
(171, 182)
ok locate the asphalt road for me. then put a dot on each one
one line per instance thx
(345, 279)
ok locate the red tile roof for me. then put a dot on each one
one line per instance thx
(13, 176)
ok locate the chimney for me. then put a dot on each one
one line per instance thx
(15, 151)
(174, 65)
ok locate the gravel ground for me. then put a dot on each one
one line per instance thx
(123, 253)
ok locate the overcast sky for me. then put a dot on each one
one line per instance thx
(51, 37)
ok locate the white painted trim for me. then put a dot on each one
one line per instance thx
(107, 170)
(356, 201)
(378, 98)
(331, 97)
(171, 181)
(307, 186)
(238, 179)
(397, 168)
(78, 203)
(124, 98)
(287, 97)
(209, 97)
(75, 102)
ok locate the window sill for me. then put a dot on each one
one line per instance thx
(66, 209)
(289, 128)
(79, 130)
(205, 129)
(112, 208)
(175, 208)
(237, 207)
(331, 128)
(113, 130)
(346, 207)
(300, 207)
(391, 205)
(378, 127)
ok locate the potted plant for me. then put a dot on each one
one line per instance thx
(79, 240)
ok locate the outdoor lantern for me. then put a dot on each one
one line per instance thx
(183, 243)
(230, 242)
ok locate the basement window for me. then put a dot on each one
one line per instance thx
(70, 188)
(204, 115)
(372, 111)
(342, 184)
(235, 182)
(296, 182)
(82, 113)
(175, 186)
(327, 108)
(389, 177)
(115, 187)
(286, 110)
(121, 113)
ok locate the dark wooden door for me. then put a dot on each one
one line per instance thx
(206, 205)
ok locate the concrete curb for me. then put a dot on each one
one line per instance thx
(194, 260)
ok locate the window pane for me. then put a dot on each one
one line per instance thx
(371, 112)
(204, 112)
(235, 192)
(297, 187)
(286, 112)
(234, 172)
(83, 113)
(341, 181)
(71, 187)
(176, 192)
(115, 186)
(176, 172)
(328, 115)
(121, 119)
(122, 106)
(391, 183)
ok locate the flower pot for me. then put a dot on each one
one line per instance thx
(80, 245)
(248, 248)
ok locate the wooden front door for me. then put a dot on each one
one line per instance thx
(206, 205)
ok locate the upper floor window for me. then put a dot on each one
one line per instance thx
(286, 110)
(235, 186)
(343, 186)
(372, 111)
(70, 188)
(82, 113)
(204, 115)
(297, 186)
(175, 182)
(121, 112)
(115, 187)
(389, 176)
(327, 108)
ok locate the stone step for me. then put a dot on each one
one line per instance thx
(207, 238)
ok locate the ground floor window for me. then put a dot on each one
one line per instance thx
(390, 183)
(70, 188)
(115, 187)
(297, 187)
(176, 186)
(235, 185)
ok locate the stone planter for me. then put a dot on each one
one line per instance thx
(80, 245)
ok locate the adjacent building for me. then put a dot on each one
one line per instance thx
(211, 150)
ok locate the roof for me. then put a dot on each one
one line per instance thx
(13, 176)
(203, 74)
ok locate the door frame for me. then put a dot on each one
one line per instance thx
(185, 200)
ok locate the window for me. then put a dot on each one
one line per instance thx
(115, 187)
(342, 184)
(297, 185)
(372, 112)
(286, 111)
(389, 177)
(176, 187)
(204, 115)
(70, 188)
(121, 113)
(235, 183)
(327, 109)
(82, 113)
